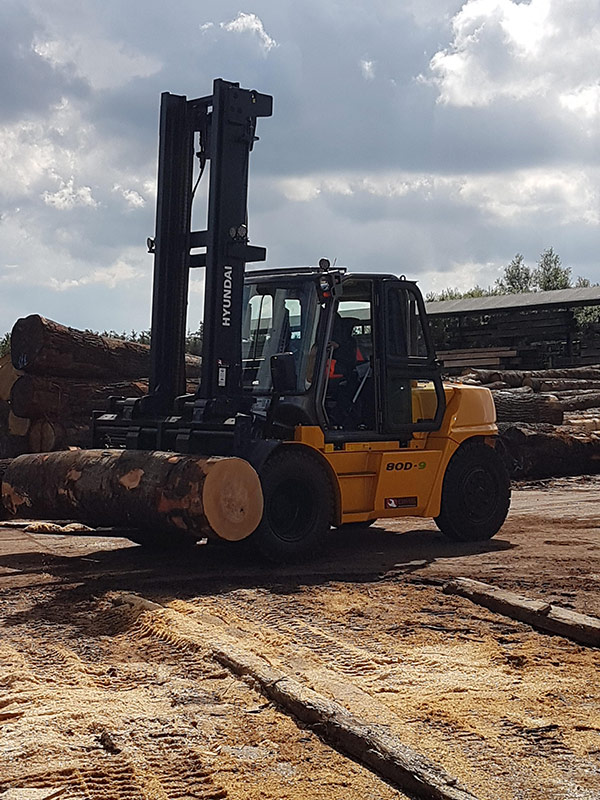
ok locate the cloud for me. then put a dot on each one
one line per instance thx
(68, 196)
(492, 150)
(367, 67)
(250, 24)
(101, 63)
(506, 49)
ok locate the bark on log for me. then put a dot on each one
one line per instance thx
(516, 377)
(35, 396)
(522, 407)
(42, 347)
(580, 402)
(156, 491)
(544, 616)
(405, 768)
(540, 451)
(561, 384)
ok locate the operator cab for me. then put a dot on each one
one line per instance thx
(360, 362)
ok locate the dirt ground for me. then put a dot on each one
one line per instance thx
(101, 699)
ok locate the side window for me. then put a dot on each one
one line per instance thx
(405, 336)
(350, 395)
(412, 392)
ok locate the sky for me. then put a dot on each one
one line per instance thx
(430, 138)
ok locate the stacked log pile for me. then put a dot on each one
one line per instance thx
(549, 420)
(55, 377)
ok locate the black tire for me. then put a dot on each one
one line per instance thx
(475, 494)
(298, 511)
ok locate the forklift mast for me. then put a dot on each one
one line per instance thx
(222, 127)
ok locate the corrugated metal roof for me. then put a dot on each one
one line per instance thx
(560, 298)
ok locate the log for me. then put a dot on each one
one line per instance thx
(580, 402)
(47, 435)
(41, 346)
(35, 396)
(541, 451)
(523, 407)
(537, 613)
(18, 426)
(516, 377)
(561, 384)
(154, 491)
(8, 375)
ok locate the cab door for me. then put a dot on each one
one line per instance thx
(410, 385)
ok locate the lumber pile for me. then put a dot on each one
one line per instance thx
(56, 376)
(549, 420)
(524, 338)
(477, 357)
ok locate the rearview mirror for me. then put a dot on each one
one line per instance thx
(283, 373)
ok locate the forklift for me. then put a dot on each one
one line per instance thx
(324, 380)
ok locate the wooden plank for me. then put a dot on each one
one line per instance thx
(478, 351)
(544, 616)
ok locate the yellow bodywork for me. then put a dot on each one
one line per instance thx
(379, 479)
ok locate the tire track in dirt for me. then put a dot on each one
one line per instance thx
(501, 711)
(91, 706)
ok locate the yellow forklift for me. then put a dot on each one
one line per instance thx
(324, 380)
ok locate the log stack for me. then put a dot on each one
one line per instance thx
(56, 376)
(549, 420)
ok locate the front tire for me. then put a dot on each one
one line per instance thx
(475, 494)
(298, 506)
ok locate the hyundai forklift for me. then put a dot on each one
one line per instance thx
(324, 380)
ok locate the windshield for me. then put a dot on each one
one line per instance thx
(279, 319)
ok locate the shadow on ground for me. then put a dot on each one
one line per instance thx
(366, 554)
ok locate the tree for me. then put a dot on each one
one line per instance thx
(517, 277)
(550, 274)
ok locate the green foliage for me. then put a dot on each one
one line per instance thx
(454, 294)
(193, 340)
(5, 345)
(517, 277)
(550, 274)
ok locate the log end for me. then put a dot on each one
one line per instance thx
(26, 340)
(232, 498)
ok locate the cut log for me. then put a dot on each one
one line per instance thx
(541, 451)
(527, 407)
(561, 384)
(40, 346)
(8, 375)
(541, 615)
(46, 435)
(4, 414)
(516, 377)
(34, 396)
(580, 402)
(18, 426)
(156, 491)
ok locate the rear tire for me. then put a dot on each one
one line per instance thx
(475, 494)
(298, 499)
